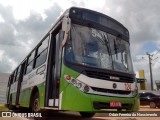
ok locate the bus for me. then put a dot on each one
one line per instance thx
(82, 64)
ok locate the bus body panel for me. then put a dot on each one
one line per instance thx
(41, 89)
(25, 97)
(13, 92)
(76, 100)
(31, 80)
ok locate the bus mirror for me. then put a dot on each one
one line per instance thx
(61, 35)
(66, 26)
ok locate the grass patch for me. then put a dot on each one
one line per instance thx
(3, 107)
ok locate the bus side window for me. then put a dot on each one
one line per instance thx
(11, 80)
(29, 67)
(15, 74)
(41, 53)
(23, 68)
(30, 62)
(18, 73)
(43, 46)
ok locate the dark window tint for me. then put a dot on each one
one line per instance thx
(41, 58)
(12, 76)
(10, 80)
(18, 73)
(29, 67)
(15, 74)
(91, 17)
(38, 56)
(141, 95)
(43, 46)
(30, 62)
(41, 53)
(19, 68)
(31, 56)
(152, 95)
(146, 95)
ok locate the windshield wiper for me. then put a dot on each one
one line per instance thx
(106, 41)
(115, 49)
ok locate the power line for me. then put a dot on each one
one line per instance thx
(143, 58)
(150, 68)
(157, 52)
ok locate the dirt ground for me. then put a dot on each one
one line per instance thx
(101, 116)
(142, 108)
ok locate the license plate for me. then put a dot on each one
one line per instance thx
(115, 104)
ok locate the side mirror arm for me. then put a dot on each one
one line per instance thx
(66, 26)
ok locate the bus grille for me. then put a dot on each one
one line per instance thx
(106, 76)
(121, 92)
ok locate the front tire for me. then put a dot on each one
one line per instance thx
(35, 103)
(87, 114)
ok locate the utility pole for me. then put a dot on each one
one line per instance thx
(150, 68)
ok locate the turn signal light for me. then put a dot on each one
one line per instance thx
(68, 77)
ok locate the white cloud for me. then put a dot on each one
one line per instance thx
(1, 55)
(22, 8)
(24, 22)
(1, 19)
(17, 38)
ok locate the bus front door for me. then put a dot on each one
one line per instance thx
(53, 72)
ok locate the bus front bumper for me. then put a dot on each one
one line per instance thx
(102, 103)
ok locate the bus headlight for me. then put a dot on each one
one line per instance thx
(74, 82)
(80, 85)
(86, 88)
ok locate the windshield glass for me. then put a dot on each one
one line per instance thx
(95, 48)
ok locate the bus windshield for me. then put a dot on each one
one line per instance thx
(95, 48)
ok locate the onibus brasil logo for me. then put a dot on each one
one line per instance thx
(13, 114)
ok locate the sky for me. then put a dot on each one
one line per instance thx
(24, 22)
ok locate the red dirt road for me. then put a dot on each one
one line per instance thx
(99, 116)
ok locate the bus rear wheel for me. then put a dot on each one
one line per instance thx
(87, 114)
(35, 103)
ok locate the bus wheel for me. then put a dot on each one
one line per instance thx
(35, 103)
(87, 114)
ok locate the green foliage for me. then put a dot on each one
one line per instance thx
(3, 108)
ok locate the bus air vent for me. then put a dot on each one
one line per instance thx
(106, 76)
(121, 92)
